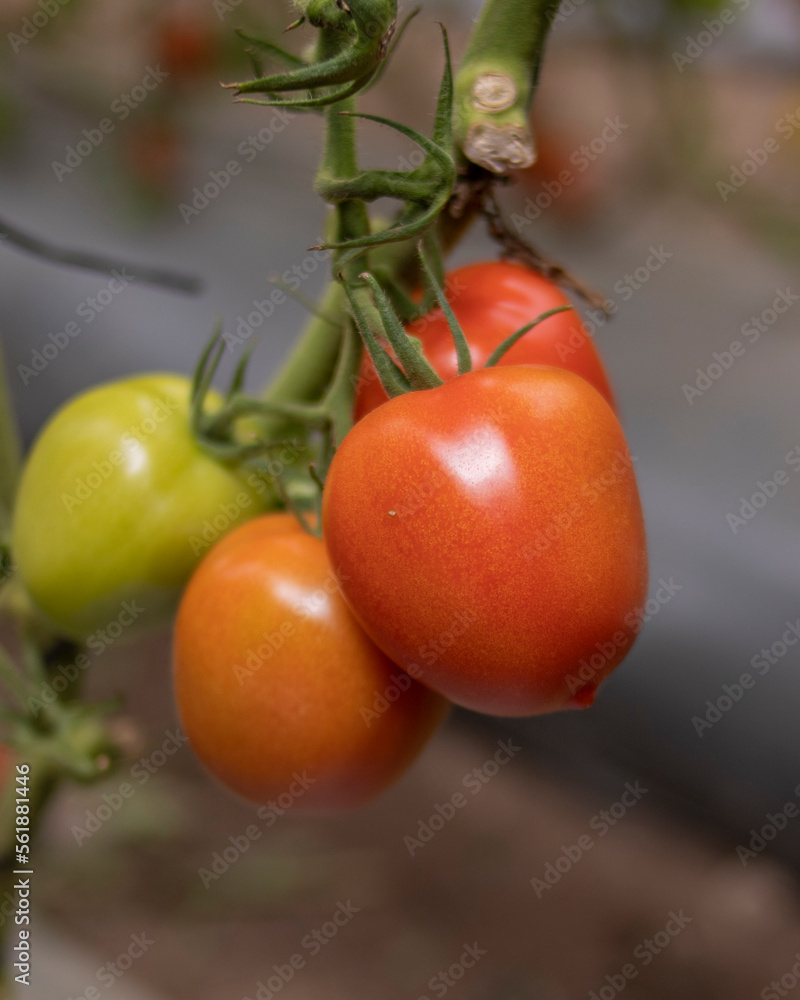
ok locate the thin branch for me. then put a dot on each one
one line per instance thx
(99, 263)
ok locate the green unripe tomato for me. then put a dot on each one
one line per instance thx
(117, 505)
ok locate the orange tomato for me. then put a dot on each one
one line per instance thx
(280, 691)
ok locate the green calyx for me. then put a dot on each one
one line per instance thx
(70, 740)
(406, 369)
(317, 427)
(355, 39)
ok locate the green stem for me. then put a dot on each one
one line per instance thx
(340, 163)
(310, 366)
(496, 83)
(10, 453)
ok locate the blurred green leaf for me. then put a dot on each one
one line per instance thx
(696, 6)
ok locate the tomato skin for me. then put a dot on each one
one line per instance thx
(490, 532)
(117, 504)
(491, 301)
(275, 678)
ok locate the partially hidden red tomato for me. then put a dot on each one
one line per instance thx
(491, 301)
(280, 691)
(489, 533)
(186, 45)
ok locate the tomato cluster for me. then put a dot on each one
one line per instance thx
(482, 544)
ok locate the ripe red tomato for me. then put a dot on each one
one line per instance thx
(489, 532)
(491, 301)
(280, 691)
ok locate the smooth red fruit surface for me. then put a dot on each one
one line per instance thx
(490, 533)
(280, 691)
(491, 301)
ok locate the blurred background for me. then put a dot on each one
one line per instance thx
(669, 152)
